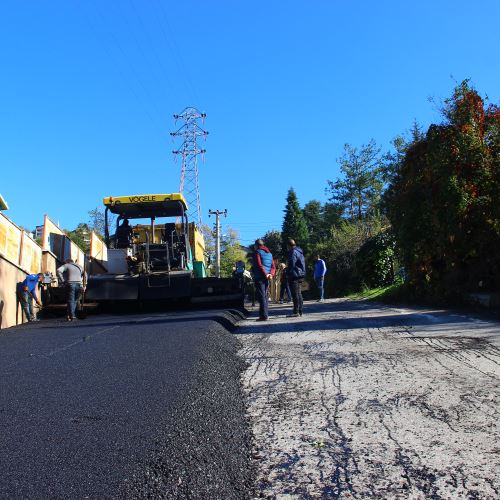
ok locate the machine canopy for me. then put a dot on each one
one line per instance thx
(142, 206)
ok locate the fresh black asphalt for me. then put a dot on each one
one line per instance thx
(124, 406)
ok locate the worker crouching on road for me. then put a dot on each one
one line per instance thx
(26, 292)
(296, 271)
(263, 270)
(71, 274)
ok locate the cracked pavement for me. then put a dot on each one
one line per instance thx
(357, 399)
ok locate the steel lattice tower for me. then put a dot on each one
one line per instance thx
(190, 131)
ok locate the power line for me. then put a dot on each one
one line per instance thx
(256, 222)
(143, 53)
(161, 66)
(132, 69)
(176, 53)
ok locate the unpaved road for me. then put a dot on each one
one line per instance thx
(360, 400)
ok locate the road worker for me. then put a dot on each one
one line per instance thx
(71, 274)
(26, 292)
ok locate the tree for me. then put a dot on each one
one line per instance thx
(358, 191)
(294, 225)
(376, 260)
(80, 236)
(313, 216)
(392, 161)
(229, 257)
(209, 239)
(443, 202)
(340, 251)
(230, 238)
(332, 217)
(273, 241)
(231, 252)
(230, 249)
(97, 221)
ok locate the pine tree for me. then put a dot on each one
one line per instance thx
(272, 240)
(392, 161)
(358, 192)
(294, 224)
(313, 215)
(332, 217)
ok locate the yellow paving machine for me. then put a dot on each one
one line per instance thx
(154, 253)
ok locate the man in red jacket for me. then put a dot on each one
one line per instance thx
(263, 270)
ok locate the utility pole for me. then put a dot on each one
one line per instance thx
(217, 214)
(189, 151)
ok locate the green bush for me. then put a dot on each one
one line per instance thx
(375, 261)
(346, 271)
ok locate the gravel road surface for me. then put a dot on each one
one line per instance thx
(360, 400)
(125, 407)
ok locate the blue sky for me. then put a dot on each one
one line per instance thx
(88, 90)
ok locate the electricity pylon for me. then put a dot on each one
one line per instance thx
(190, 131)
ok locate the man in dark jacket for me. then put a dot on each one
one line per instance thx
(296, 271)
(263, 270)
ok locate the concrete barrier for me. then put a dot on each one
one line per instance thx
(55, 240)
(20, 255)
(98, 255)
(10, 311)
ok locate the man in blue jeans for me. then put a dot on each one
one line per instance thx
(26, 292)
(263, 270)
(319, 277)
(71, 274)
(296, 272)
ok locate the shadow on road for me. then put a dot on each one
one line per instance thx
(227, 319)
(341, 315)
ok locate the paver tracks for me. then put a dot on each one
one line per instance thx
(355, 400)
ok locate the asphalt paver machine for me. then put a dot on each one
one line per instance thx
(155, 253)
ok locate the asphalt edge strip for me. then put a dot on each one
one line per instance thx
(208, 452)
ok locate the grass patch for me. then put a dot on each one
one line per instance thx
(392, 293)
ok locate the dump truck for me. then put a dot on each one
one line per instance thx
(154, 254)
